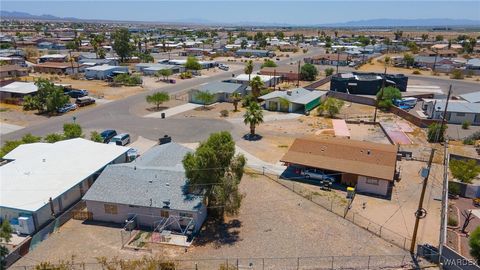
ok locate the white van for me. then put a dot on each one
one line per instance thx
(120, 139)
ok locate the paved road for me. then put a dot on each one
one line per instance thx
(459, 87)
(117, 115)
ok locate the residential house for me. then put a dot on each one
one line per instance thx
(17, 90)
(366, 83)
(104, 71)
(287, 72)
(152, 69)
(430, 61)
(256, 53)
(222, 91)
(91, 62)
(268, 81)
(195, 52)
(329, 59)
(152, 192)
(293, 100)
(58, 68)
(204, 64)
(53, 58)
(12, 71)
(20, 61)
(41, 180)
(473, 97)
(458, 111)
(369, 167)
(473, 64)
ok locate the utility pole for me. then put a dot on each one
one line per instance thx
(298, 72)
(381, 94)
(443, 217)
(421, 212)
(338, 59)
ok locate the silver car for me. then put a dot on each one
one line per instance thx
(316, 174)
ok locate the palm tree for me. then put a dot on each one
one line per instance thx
(253, 117)
(257, 85)
(248, 69)
(235, 98)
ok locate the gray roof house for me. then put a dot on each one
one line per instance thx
(473, 97)
(299, 100)
(152, 68)
(458, 112)
(473, 64)
(221, 90)
(151, 192)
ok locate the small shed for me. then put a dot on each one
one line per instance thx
(103, 72)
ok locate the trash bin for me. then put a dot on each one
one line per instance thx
(163, 115)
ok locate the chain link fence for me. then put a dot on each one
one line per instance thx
(339, 206)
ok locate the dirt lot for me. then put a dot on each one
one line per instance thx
(273, 222)
(13, 114)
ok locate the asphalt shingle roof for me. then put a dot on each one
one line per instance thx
(220, 87)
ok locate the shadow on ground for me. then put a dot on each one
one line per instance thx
(219, 233)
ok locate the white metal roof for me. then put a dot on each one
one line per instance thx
(106, 67)
(43, 170)
(53, 56)
(20, 88)
(264, 78)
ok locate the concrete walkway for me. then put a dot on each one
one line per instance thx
(252, 161)
(142, 144)
(174, 110)
(7, 128)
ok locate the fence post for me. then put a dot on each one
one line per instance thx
(237, 265)
(263, 263)
(331, 206)
(368, 264)
(333, 258)
(227, 263)
(298, 263)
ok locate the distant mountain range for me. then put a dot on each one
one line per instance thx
(438, 22)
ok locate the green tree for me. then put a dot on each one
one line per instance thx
(329, 72)
(192, 63)
(408, 59)
(386, 97)
(205, 97)
(215, 171)
(71, 45)
(165, 73)
(158, 98)
(330, 105)
(235, 98)
(268, 63)
(398, 34)
(253, 116)
(244, 44)
(474, 243)
(5, 237)
(435, 134)
(49, 98)
(72, 130)
(54, 137)
(122, 45)
(424, 37)
(29, 138)
(10, 145)
(465, 171)
(308, 72)
(248, 68)
(257, 85)
(96, 137)
(438, 38)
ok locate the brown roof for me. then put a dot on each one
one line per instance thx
(5, 68)
(281, 69)
(331, 57)
(57, 65)
(344, 155)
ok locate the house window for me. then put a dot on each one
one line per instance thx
(185, 215)
(164, 213)
(110, 209)
(460, 114)
(372, 181)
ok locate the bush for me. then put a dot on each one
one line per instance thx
(464, 170)
(416, 72)
(453, 188)
(453, 222)
(465, 124)
(127, 79)
(457, 75)
(186, 75)
(434, 134)
(329, 72)
(224, 113)
(474, 243)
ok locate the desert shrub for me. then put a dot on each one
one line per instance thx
(465, 124)
(416, 72)
(456, 75)
(224, 113)
(452, 221)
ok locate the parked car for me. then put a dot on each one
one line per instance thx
(108, 134)
(77, 93)
(84, 101)
(120, 139)
(67, 107)
(223, 67)
(316, 174)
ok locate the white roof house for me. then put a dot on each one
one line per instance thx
(40, 171)
(264, 78)
(23, 88)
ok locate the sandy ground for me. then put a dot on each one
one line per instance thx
(273, 222)
(376, 66)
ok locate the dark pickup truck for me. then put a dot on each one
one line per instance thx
(84, 101)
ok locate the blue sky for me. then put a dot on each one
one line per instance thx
(229, 11)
